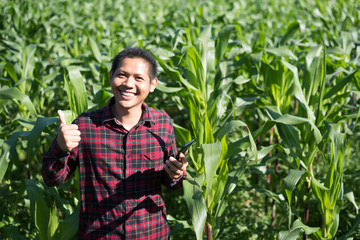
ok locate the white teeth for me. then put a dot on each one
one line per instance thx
(127, 94)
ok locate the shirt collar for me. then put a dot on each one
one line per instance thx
(145, 118)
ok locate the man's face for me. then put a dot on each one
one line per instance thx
(131, 83)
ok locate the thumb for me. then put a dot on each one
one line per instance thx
(61, 118)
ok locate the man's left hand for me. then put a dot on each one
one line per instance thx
(176, 168)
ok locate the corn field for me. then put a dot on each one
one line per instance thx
(269, 89)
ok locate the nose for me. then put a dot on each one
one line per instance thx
(129, 82)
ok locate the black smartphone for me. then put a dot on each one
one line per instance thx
(184, 148)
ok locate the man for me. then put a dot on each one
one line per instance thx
(124, 152)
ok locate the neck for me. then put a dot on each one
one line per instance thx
(127, 117)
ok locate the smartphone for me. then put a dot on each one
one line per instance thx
(184, 148)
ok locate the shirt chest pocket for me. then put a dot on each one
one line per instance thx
(153, 157)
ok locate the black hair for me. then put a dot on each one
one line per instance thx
(135, 53)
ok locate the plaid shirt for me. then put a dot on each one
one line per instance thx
(120, 174)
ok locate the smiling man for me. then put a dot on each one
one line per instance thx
(124, 152)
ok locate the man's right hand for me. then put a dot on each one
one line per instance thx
(68, 135)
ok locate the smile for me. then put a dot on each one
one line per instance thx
(126, 95)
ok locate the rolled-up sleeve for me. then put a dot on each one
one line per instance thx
(58, 165)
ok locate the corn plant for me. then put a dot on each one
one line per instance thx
(269, 90)
(205, 97)
(313, 129)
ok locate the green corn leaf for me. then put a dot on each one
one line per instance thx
(41, 220)
(317, 184)
(313, 69)
(291, 234)
(297, 228)
(290, 183)
(95, 50)
(294, 120)
(221, 180)
(185, 224)
(313, 54)
(336, 220)
(293, 178)
(4, 158)
(53, 222)
(205, 49)
(340, 85)
(76, 91)
(262, 153)
(288, 133)
(234, 177)
(194, 69)
(174, 74)
(290, 32)
(289, 198)
(241, 80)
(351, 198)
(40, 210)
(196, 204)
(28, 61)
(298, 90)
(222, 88)
(281, 52)
(237, 147)
(69, 227)
(240, 145)
(337, 138)
(264, 128)
(209, 137)
(161, 53)
(15, 93)
(222, 42)
(321, 72)
(253, 146)
(9, 68)
(161, 86)
(212, 157)
(35, 133)
(13, 141)
(229, 126)
(183, 135)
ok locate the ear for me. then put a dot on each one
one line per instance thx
(153, 84)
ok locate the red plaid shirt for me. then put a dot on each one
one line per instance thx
(121, 173)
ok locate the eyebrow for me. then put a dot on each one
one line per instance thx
(123, 71)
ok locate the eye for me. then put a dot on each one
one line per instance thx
(121, 75)
(138, 78)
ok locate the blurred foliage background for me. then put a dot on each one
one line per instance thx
(275, 85)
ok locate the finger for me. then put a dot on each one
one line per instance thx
(61, 118)
(181, 164)
(167, 169)
(182, 158)
(73, 139)
(178, 164)
(174, 166)
(172, 174)
(71, 127)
